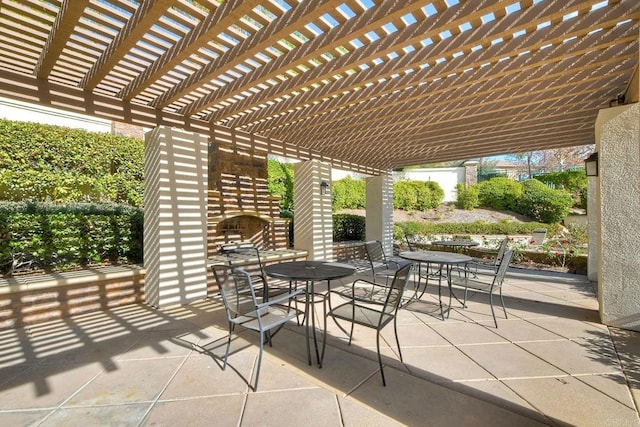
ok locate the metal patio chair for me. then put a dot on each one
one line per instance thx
(381, 266)
(243, 309)
(492, 262)
(373, 313)
(485, 282)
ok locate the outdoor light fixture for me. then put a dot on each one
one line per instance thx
(324, 188)
(591, 165)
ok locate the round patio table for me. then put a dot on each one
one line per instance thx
(445, 260)
(310, 272)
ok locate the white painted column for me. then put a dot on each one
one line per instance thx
(379, 207)
(618, 144)
(175, 217)
(313, 220)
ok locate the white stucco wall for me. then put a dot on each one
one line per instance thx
(447, 178)
(618, 186)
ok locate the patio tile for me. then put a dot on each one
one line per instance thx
(568, 400)
(23, 418)
(530, 309)
(155, 344)
(442, 364)
(577, 357)
(494, 357)
(125, 415)
(627, 344)
(202, 376)
(522, 330)
(412, 336)
(45, 386)
(132, 381)
(356, 414)
(428, 404)
(207, 411)
(314, 407)
(466, 333)
(496, 392)
(571, 328)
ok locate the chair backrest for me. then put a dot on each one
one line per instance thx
(411, 241)
(538, 236)
(501, 250)
(243, 253)
(398, 285)
(375, 254)
(236, 289)
(502, 269)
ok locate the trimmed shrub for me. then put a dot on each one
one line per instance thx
(573, 181)
(499, 193)
(43, 162)
(477, 227)
(467, 197)
(348, 193)
(417, 195)
(62, 236)
(348, 227)
(542, 203)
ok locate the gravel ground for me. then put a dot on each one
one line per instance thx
(449, 213)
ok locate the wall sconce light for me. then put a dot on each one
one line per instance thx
(591, 165)
(324, 188)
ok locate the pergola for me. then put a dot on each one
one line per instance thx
(360, 84)
(420, 81)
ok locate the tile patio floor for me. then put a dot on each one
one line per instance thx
(550, 363)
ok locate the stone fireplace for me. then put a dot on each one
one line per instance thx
(239, 205)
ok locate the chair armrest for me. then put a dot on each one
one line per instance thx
(279, 299)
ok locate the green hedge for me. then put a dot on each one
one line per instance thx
(348, 227)
(467, 197)
(542, 203)
(573, 181)
(477, 227)
(417, 195)
(531, 198)
(62, 236)
(348, 193)
(53, 163)
(499, 193)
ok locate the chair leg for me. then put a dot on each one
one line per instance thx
(353, 316)
(395, 330)
(255, 385)
(384, 383)
(503, 307)
(324, 333)
(493, 313)
(226, 353)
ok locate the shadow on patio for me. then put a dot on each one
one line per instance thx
(549, 363)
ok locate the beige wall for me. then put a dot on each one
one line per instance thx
(313, 223)
(618, 225)
(175, 220)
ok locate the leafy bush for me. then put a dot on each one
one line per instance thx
(467, 197)
(62, 236)
(573, 181)
(499, 193)
(280, 183)
(348, 193)
(348, 227)
(43, 162)
(542, 203)
(417, 195)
